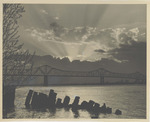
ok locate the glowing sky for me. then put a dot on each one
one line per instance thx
(83, 32)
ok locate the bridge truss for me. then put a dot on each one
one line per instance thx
(47, 70)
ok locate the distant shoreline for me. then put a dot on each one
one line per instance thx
(87, 84)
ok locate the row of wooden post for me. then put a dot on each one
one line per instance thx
(36, 100)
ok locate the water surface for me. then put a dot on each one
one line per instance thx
(130, 99)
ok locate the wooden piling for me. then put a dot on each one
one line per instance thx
(109, 110)
(103, 108)
(34, 101)
(84, 105)
(96, 108)
(52, 98)
(75, 105)
(43, 100)
(28, 98)
(66, 101)
(58, 103)
(76, 101)
(90, 105)
(118, 112)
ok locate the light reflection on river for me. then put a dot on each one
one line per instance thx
(130, 99)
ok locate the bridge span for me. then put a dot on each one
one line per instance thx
(102, 73)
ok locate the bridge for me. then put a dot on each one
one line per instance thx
(102, 73)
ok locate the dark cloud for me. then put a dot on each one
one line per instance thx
(134, 53)
(125, 39)
(57, 29)
(100, 51)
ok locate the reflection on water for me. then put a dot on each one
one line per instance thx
(131, 100)
(76, 113)
(52, 111)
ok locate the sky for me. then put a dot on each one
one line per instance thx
(93, 32)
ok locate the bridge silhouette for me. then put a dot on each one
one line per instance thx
(102, 73)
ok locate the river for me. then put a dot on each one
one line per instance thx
(130, 99)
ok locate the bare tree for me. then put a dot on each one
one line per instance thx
(16, 62)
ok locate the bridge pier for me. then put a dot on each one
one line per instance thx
(45, 80)
(102, 80)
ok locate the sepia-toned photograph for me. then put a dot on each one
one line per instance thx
(74, 61)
